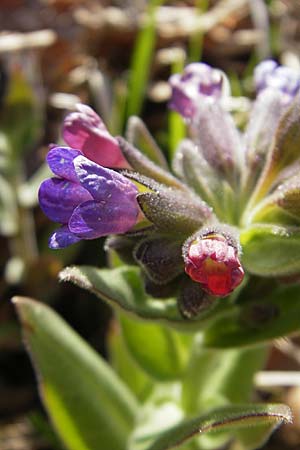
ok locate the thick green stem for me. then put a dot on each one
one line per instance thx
(216, 377)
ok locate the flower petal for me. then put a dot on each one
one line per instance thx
(86, 131)
(91, 219)
(60, 160)
(62, 237)
(102, 183)
(59, 197)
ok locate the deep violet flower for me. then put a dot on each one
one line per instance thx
(88, 200)
(85, 131)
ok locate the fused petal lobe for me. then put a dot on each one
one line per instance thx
(58, 198)
(103, 183)
(62, 237)
(60, 160)
(94, 219)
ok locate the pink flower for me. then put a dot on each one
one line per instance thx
(84, 130)
(214, 263)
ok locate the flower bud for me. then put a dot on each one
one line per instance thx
(85, 131)
(197, 81)
(88, 200)
(212, 260)
(270, 75)
(192, 301)
(160, 258)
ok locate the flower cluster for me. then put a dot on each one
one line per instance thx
(89, 200)
(230, 200)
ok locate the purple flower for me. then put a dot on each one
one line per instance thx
(270, 75)
(276, 88)
(85, 131)
(197, 83)
(88, 200)
(197, 95)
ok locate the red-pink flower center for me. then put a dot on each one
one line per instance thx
(214, 263)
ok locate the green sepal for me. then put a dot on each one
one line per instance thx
(160, 257)
(166, 290)
(271, 250)
(282, 206)
(85, 399)
(192, 167)
(173, 212)
(192, 300)
(145, 166)
(138, 135)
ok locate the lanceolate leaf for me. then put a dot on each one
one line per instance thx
(264, 318)
(227, 419)
(270, 250)
(282, 206)
(126, 291)
(158, 349)
(86, 401)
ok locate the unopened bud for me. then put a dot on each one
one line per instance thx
(198, 81)
(212, 260)
(193, 300)
(270, 75)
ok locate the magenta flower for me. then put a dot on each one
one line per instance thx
(88, 200)
(85, 131)
(213, 262)
(198, 82)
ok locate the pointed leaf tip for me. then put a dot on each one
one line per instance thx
(232, 419)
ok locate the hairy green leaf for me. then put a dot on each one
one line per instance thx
(85, 399)
(139, 136)
(260, 319)
(126, 292)
(159, 350)
(227, 418)
(270, 250)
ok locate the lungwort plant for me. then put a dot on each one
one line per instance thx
(204, 269)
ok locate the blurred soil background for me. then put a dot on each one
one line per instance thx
(54, 53)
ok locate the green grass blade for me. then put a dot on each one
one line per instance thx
(141, 61)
